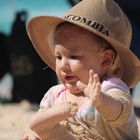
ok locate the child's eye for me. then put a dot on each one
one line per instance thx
(74, 57)
(58, 57)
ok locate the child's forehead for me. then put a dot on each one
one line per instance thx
(76, 39)
(68, 27)
(67, 30)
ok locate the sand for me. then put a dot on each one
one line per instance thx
(14, 119)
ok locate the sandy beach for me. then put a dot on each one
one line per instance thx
(14, 118)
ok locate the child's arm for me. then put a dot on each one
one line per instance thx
(30, 135)
(108, 106)
(45, 120)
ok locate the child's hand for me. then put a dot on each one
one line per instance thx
(68, 108)
(30, 135)
(93, 89)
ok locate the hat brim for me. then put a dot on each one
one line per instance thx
(39, 30)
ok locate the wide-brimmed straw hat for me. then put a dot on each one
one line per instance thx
(102, 17)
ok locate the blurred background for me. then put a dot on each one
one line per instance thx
(23, 75)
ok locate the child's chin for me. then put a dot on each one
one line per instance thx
(74, 91)
(72, 88)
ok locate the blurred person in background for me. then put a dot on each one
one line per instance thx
(4, 61)
(5, 77)
(26, 66)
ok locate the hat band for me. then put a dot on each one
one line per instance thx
(94, 24)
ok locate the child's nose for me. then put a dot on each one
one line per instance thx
(65, 65)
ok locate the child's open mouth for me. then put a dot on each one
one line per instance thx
(71, 78)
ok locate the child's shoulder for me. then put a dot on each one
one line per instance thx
(55, 90)
(113, 82)
(58, 87)
(51, 95)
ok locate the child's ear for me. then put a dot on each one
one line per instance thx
(107, 58)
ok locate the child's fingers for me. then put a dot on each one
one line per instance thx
(30, 135)
(81, 85)
(98, 97)
(30, 138)
(73, 104)
(93, 78)
(96, 79)
(98, 88)
(24, 138)
(90, 82)
(73, 108)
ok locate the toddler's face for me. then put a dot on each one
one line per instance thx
(76, 53)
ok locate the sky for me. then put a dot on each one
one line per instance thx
(8, 9)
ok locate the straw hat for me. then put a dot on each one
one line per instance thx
(102, 17)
